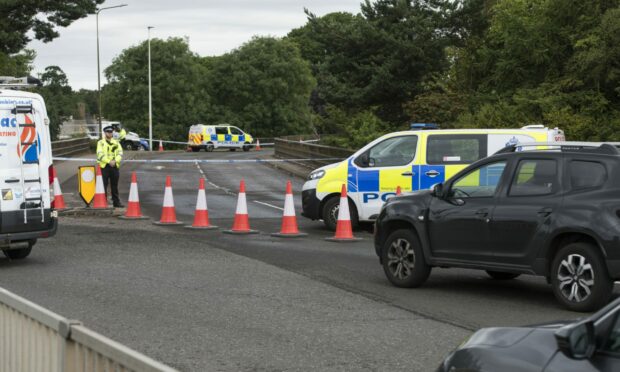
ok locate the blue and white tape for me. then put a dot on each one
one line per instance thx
(194, 161)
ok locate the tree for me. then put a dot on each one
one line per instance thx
(58, 97)
(22, 18)
(180, 98)
(16, 65)
(264, 87)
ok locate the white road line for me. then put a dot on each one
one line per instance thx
(269, 205)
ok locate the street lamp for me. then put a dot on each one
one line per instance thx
(150, 98)
(98, 70)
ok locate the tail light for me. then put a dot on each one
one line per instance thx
(52, 174)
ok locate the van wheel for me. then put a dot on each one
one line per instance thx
(246, 147)
(403, 260)
(579, 278)
(209, 147)
(21, 253)
(195, 149)
(330, 213)
(500, 275)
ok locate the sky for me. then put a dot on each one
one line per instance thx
(214, 27)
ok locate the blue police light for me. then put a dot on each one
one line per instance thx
(423, 126)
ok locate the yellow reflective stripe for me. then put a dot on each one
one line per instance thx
(221, 137)
(451, 170)
(391, 178)
(334, 178)
(235, 138)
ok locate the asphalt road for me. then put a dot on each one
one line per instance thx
(203, 300)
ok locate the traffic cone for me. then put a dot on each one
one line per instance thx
(241, 225)
(59, 200)
(398, 190)
(257, 148)
(100, 201)
(344, 231)
(133, 205)
(161, 146)
(201, 218)
(289, 220)
(168, 213)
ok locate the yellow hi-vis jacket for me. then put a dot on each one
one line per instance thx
(108, 150)
(122, 134)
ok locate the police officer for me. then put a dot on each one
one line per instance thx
(109, 156)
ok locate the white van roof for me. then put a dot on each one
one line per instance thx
(18, 94)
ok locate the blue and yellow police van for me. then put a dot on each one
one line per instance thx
(210, 137)
(415, 159)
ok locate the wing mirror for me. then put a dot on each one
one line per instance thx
(577, 341)
(364, 159)
(438, 191)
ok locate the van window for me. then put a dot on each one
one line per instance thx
(221, 130)
(480, 182)
(586, 174)
(455, 148)
(391, 152)
(236, 131)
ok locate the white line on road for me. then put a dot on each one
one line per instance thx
(269, 205)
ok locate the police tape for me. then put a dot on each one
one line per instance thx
(194, 161)
(188, 144)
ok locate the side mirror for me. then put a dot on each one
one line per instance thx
(365, 159)
(438, 191)
(577, 341)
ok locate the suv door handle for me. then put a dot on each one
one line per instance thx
(432, 173)
(482, 212)
(544, 212)
(407, 174)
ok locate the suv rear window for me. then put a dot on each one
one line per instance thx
(535, 177)
(586, 174)
(455, 148)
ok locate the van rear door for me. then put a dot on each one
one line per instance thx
(25, 158)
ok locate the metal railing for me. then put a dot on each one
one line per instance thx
(70, 146)
(34, 339)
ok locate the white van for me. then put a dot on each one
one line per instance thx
(26, 170)
(210, 137)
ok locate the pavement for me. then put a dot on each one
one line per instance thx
(203, 300)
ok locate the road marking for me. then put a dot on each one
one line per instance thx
(269, 205)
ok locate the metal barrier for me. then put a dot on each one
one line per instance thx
(35, 339)
(285, 148)
(70, 146)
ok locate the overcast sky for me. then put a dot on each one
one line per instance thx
(214, 27)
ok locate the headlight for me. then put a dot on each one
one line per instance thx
(316, 175)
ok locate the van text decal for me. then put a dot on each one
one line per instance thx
(8, 122)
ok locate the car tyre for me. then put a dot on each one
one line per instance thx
(209, 147)
(403, 259)
(247, 147)
(19, 254)
(330, 213)
(501, 275)
(580, 279)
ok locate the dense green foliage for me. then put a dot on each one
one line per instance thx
(23, 18)
(352, 77)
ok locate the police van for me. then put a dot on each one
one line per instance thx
(210, 137)
(26, 170)
(415, 159)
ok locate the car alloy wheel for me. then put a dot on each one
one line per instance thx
(401, 259)
(576, 277)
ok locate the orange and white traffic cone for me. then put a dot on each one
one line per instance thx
(289, 227)
(161, 146)
(201, 218)
(257, 148)
(344, 231)
(241, 225)
(59, 199)
(133, 205)
(100, 201)
(168, 213)
(398, 190)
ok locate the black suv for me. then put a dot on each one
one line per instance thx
(552, 212)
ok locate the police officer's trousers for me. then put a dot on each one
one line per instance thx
(111, 175)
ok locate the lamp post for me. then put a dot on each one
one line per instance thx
(98, 69)
(150, 98)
